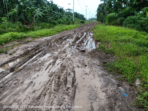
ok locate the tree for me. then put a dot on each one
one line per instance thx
(124, 8)
(33, 11)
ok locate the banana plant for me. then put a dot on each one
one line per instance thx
(38, 13)
(14, 13)
(47, 10)
(28, 11)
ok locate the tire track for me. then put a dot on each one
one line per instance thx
(61, 74)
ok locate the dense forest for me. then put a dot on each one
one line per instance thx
(30, 14)
(129, 13)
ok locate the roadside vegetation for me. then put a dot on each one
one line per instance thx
(131, 50)
(32, 15)
(12, 36)
(24, 15)
(127, 13)
(129, 44)
(20, 19)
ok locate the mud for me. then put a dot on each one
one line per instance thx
(61, 73)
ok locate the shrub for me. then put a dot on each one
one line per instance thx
(21, 27)
(5, 22)
(111, 18)
(82, 21)
(120, 20)
(116, 22)
(60, 21)
(3, 26)
(37, 28)
(64, 21)
(135, 22)
(68, 21)
(145, 11)
(46, 25)
(144, 24)
(132, 22)
(12, 25)
(43, 25)
(54, 22)
(24, 28)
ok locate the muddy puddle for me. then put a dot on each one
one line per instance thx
(6, 66)
(61, 74)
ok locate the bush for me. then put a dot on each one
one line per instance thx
(21, 27)
(12, 25)
(111, 18)
(135, 22)
(144, 24)
(82, 21)
(46, 25)
(37, 28)
(5, 22)
(24, 28)
(54, 22)
(145, 11)
(8, 25)
(60, 21)
(132, 22)
(121, 20)
(3, 26)
(68, 21)
(64, 21)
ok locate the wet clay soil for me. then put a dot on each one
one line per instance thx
(61, 73)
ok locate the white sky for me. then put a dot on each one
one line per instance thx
(80, 6)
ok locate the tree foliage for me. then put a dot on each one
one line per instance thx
(130, 13)
(110, 18)
(34, 11)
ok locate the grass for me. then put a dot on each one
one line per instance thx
(5, 49)
(131, 49)
(12, 36)
(12, 53)
(2, 31)
(2, 50)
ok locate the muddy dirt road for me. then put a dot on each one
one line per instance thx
(61, 73)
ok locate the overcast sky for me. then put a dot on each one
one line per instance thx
(80, 6)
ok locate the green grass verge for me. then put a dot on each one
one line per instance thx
(12, 36)
(131, 49)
